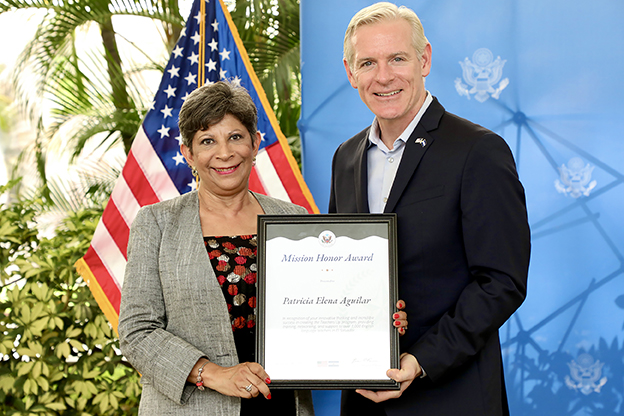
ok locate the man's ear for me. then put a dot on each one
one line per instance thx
(349, 74)
(425, 60)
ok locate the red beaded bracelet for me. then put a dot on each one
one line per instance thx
(200, 382)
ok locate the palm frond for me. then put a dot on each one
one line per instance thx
(87, 187)
(270, 32)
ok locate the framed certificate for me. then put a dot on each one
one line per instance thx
(327, 290)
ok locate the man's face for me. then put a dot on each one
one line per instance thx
(387, 71)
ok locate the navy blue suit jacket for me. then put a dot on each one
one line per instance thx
(463, 253)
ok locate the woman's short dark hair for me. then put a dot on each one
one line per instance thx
(208, 104)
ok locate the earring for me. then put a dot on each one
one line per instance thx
(254, 161)
(195, 174)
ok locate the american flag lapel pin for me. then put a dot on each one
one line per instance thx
(421, 141)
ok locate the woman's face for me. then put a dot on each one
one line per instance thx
(223, 156)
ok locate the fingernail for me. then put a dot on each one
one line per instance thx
(395, 316)
(269, 396)
(267, 381)
(401, 305)
(397, 323)
(401, 330)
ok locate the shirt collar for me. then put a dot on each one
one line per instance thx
(374, 137)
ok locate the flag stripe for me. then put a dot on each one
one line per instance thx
(101, 296)
(112, 259)
(104, 279)
(138, 183)
(153, 168)
(255, 184)
(117, 227)
(125, 201)
(269, 177)
(286, 177)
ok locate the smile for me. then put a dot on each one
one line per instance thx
(226, 170)
(387, 94)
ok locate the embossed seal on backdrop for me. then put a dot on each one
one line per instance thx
(482, 74)
(575, 178)
(585, 375)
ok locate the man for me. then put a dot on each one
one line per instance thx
(463, 238)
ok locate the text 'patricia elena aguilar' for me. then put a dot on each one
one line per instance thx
(322, 300)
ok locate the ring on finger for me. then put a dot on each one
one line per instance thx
(248, 388)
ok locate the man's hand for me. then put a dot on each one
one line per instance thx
(410, 369)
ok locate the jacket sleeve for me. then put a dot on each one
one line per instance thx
(496, 240)
(163, 359)
(332, 209)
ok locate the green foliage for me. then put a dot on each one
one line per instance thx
(92, 95)
(269, 30)
(58, 353)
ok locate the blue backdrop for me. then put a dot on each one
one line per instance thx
(548, 77)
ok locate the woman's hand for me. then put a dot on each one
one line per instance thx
(244, 380)
(400, 318)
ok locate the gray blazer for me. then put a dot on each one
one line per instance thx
(173, 311)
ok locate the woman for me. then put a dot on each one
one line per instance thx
(187, 310)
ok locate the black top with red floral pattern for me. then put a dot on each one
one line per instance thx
(234, 262)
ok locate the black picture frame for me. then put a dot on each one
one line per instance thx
(296, 228)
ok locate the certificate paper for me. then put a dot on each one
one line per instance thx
(326, 295)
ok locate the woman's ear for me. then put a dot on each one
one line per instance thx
(188, 155)
(256, 143)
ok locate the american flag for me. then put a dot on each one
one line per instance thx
(209, 49)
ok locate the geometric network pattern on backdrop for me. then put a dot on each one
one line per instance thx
(546, 76)
(544, 374)
(549, 377)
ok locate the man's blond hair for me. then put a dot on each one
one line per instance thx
(379, 12)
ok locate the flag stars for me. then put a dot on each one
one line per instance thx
(185, 96)
(167, 111)
(198, 17)
(191, 79)
(179, 137)
(237, 81)
(225, 54)
(211, 65)
(178, 158)
(196, 38)
(174, 71)
(164, 131)
(170, 91)
(214, 46)
(193, 185)
(215, 25)
(152, 105)
(177, 52)
(222, 73)
(194, 58)
(262, 136)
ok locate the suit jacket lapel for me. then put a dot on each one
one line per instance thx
(419, 142)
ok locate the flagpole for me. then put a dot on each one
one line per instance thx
(201, 65)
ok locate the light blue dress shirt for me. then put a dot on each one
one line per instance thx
(383, 163)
